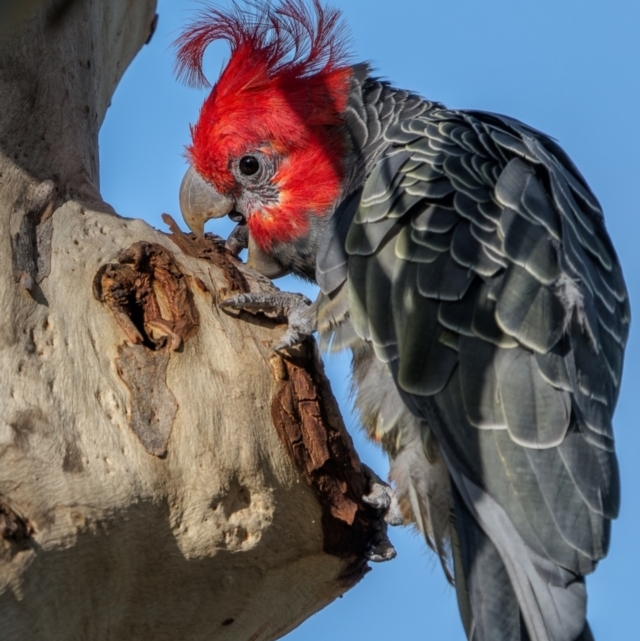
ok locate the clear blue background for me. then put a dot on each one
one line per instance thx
(567, 67)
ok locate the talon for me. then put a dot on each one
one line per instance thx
(382, 497)
(382, 500)
(379, 497)
(380, 547)
(238, 239)
(295, 307)
(380, 554)
(234, 302)
(289, 339)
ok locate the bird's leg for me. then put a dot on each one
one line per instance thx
(296, 308)
(382, 498)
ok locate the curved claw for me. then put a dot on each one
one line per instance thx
(382, 499)
(238, 239)
(295, 307)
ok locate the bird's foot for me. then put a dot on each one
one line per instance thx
(296, 308)
(382, 498)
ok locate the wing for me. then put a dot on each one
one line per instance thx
(480, 269)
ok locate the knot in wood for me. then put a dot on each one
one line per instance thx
(149, 296)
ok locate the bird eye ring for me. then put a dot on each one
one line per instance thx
(249, 165)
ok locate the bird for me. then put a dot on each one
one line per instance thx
(464, 261)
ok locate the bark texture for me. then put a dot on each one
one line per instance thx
(163, 474)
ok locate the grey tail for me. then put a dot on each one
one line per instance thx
(488, 604)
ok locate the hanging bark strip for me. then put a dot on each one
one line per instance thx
(310, 427)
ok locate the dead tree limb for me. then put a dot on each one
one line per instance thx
(163, 474)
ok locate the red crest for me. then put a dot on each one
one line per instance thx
(284, 89)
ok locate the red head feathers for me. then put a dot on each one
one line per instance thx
(283, 91)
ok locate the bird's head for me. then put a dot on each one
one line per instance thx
(269, 144)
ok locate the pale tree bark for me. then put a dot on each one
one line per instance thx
(163, 473)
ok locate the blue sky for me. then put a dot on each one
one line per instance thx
(569, 68)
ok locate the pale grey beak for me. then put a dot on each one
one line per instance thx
(200, 201)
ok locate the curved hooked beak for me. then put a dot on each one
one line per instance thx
(200, 201)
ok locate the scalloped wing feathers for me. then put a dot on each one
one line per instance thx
(476, 264)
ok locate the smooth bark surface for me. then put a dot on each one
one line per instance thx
(163, 473)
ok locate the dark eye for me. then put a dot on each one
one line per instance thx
(249, 165)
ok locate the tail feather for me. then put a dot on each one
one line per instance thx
(505, 591)
(501, 575)
(487, 602)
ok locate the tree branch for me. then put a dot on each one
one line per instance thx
(163, 473)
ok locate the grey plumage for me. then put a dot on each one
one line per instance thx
(467, 266)
(463, 259)
(476, 265)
